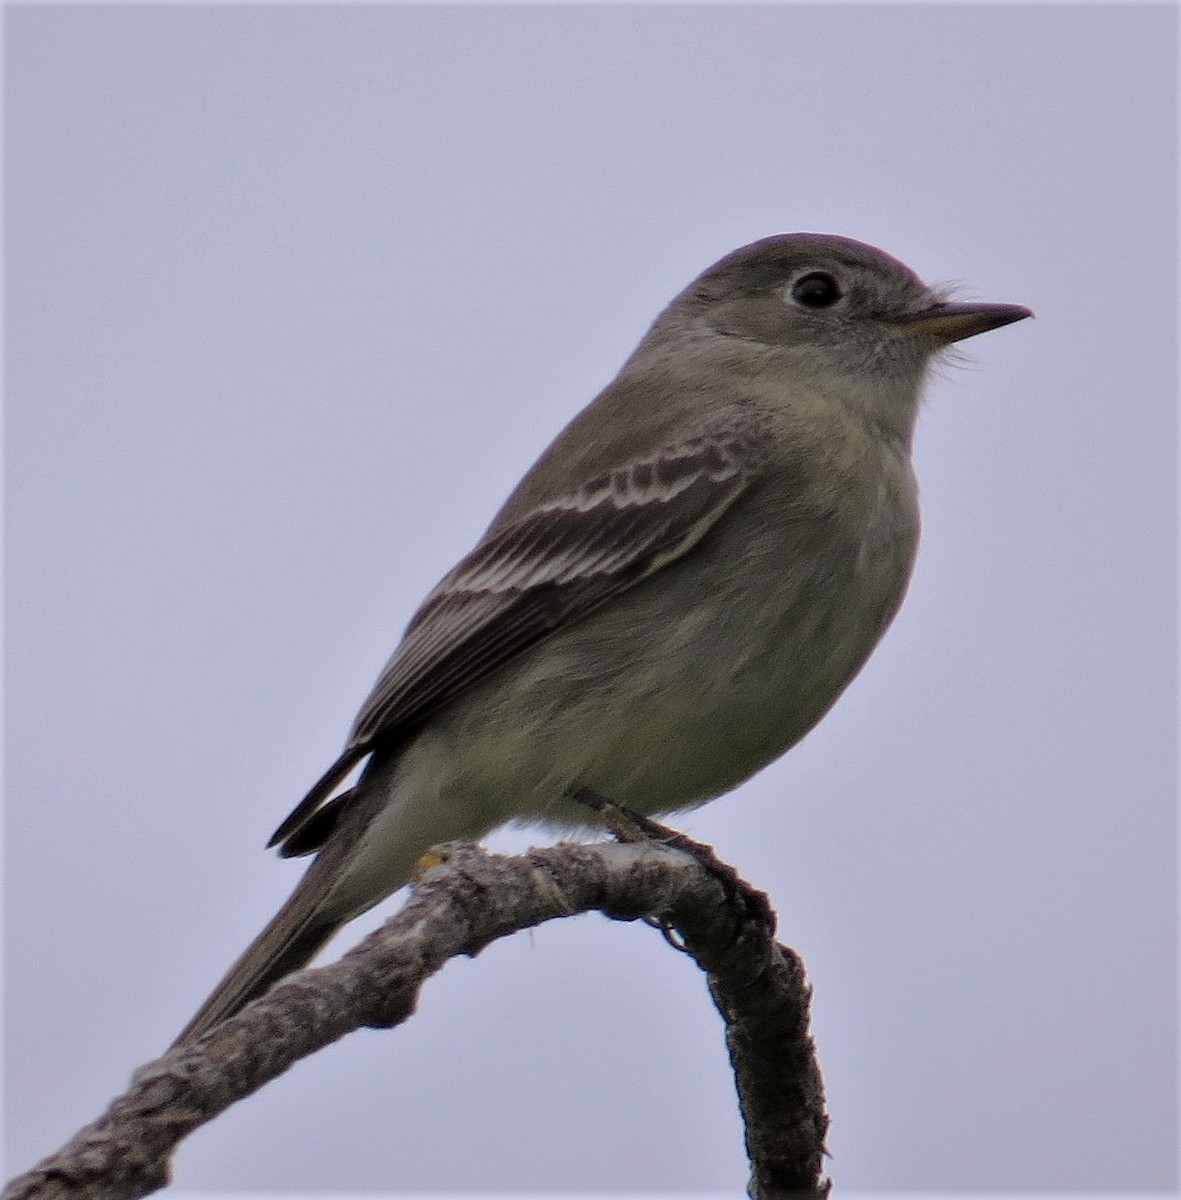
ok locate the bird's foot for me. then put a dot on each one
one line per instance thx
(630, 826)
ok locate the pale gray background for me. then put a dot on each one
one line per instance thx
(295, 294)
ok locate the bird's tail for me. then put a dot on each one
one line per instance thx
(288, 943)
(350, 874)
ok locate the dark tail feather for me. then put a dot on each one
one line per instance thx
(288, 943)
(321, 790)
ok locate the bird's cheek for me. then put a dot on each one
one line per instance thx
(765, 319)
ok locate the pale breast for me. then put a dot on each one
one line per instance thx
(700, 675)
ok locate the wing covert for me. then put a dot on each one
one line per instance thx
(540, 572)
(551, 567)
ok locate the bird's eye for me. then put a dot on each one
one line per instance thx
(817, 289)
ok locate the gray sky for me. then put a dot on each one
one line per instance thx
(296, 294)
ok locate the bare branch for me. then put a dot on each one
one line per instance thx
(459, 908)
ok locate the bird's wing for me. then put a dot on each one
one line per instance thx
(530, 577)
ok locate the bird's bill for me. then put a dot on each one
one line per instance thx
(954, 322)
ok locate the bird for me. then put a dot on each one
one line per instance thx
(674, 594)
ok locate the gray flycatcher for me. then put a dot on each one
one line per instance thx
(675, 593)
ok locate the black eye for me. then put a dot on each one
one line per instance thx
(817, 289)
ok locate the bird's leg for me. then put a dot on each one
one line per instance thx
(627, 825)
